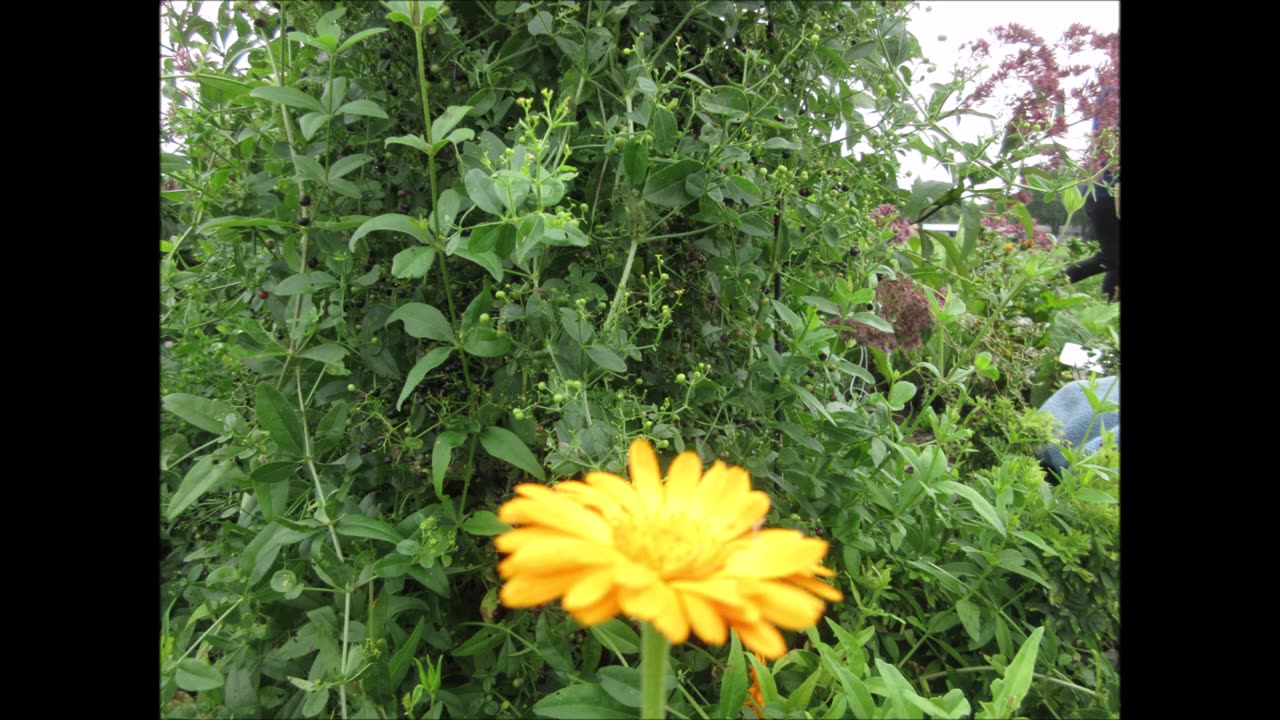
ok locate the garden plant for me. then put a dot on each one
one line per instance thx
(584, 359)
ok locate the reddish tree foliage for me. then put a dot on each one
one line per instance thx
(1043, 104)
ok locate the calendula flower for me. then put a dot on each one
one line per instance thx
(684, 555)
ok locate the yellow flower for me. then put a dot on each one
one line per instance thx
(683, 555)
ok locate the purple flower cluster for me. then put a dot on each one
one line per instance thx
(904, 306)
(889, 215)
(1012, 231)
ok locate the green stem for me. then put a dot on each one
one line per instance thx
(653, 671)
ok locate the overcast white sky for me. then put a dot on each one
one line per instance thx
(943, 26)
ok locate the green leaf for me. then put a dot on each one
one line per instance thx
(663, 126)
(355, 525)
(1072, 199)
(441, 454)
(873, 320)
(646, 86)
(347, 165)
(924, 193)
(617, 636)
(980, 503)
(413, 141)
(540, 24)
(481, 190)
(900, 393)
(855, 692)
(201, 478)
(485, 342)
(312, 122)
(429, 362)
(635, 161)
(781, 143)
(359, 37)
(607, 359)
(728, 101)
(309, 168)
(666, 187)
(746, 190)
(398, 668)
(447, 120)
(422, 320)
(232, 221)
(484, 639)
(970, 617)
(205, 414)
(506, 445)
(271, 486)
(1009, 691)
(286, 583)
(197, 675)
(367, 108)
(733, 684)
(1094, 495)
(280, 419)
(413, 262)
(582, 701)
(330, 354)
(485, 523)
(622, 684)
(390, 221)
(292, 97)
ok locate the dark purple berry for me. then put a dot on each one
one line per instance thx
(305, 201)
(305, 221)
(312, 262)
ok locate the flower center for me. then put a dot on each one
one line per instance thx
(674, 547)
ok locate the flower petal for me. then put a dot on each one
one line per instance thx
(671, 620)
(785, 605)
(762, 638)
(553, 556)
(706, 622)
(682, 480)
(815, 586)
(589, 589)
(622, 492)
(554, 510)
(774, 553)
(513, 540)
(646, 475)
(604, 609)
(524, 591)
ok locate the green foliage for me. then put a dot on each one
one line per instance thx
(415, 253)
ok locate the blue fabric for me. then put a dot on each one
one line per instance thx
(1079, 427)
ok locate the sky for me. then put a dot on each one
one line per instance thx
(943, 26)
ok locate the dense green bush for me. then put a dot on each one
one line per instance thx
(416, 253)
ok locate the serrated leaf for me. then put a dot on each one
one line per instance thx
(506, 445)
(292, 97)
(413, 262)
(280, 419)
(422, 320)
(203, 413)
(607, 359)
(197, 675)
(666, 187)
(447, 120)
(485, 523)
(429, 362)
